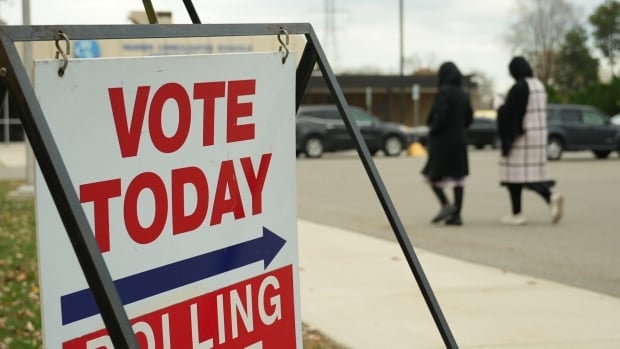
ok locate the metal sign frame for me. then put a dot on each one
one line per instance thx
(13, 76)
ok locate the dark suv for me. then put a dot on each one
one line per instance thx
(580, 127)
(319, 128)
(481, 132)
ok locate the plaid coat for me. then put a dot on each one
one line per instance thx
(526, 161)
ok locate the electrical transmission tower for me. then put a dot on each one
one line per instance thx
(330, 40)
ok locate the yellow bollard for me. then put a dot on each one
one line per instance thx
(416, 149)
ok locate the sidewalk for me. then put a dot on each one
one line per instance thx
(13, 160)
(359, 291)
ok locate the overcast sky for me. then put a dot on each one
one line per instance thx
(366, 34)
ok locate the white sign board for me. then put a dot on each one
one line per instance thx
(185, 169)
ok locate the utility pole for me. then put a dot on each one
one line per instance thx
(27, 189)
(401, 37)
(28, 64)
(401, 62)
(331, 43)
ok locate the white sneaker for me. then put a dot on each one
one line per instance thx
(516, 219)
(557, 201)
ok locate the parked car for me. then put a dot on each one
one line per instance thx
(574, 127)
(481, 132)
(571, 127)
(320, 128)
(420, 134)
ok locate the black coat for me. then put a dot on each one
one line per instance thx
(510, 114)
(449, 118)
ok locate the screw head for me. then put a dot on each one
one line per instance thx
(3, 72)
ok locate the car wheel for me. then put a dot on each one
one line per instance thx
(313, 147)
(393, 146)
(601, 154)
(555, 148)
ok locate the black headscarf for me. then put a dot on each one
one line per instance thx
(449, 74)
(520, 68)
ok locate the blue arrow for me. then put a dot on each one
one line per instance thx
(81, 304)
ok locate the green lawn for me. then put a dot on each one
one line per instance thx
(20, 317)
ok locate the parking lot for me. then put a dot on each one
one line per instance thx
(582, 250)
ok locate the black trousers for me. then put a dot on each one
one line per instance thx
(515, 190)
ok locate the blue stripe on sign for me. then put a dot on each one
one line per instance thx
(81, 304)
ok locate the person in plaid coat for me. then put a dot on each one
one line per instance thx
(522, 127)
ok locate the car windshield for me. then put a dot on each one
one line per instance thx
(362, 118)
(594, 118)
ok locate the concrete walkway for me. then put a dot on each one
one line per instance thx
(359, 291)
(12, 161)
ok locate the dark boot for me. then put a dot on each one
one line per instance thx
(455, 217)
(441, 196)
(445, 212)
(446, 209)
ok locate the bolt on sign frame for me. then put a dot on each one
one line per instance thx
(13, 76)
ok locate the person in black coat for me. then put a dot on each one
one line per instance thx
(447, 163)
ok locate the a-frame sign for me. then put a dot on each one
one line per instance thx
(13, 77)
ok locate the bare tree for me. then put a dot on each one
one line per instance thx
(416, 62)
(538, 31)
(482, 95)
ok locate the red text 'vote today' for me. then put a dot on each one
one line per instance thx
(227, 199)
(129, 130)
(217, 188)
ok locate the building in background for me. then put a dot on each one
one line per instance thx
(391, 98)
(405, 99)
